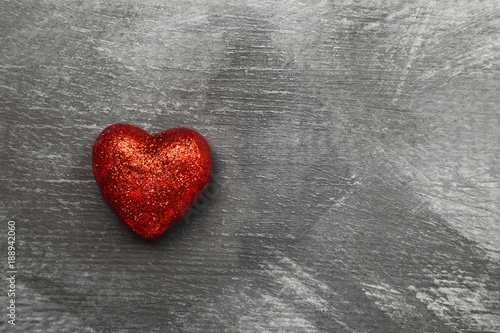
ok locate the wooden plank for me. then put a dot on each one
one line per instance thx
(355, 184)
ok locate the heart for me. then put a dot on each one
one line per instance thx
(151, 181)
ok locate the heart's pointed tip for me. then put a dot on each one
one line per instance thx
(152, 232)
(148, 237)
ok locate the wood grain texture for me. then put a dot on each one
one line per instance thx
(356, 169)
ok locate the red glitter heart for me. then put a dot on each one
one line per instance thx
(151, 181)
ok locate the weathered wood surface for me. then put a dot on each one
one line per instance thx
(355, 151)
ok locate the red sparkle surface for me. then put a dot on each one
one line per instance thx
(151, 181)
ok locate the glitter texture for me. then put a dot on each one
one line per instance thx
(150, 181)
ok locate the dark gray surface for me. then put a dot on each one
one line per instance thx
(355, 153)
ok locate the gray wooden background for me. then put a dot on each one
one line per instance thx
(356, 164)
